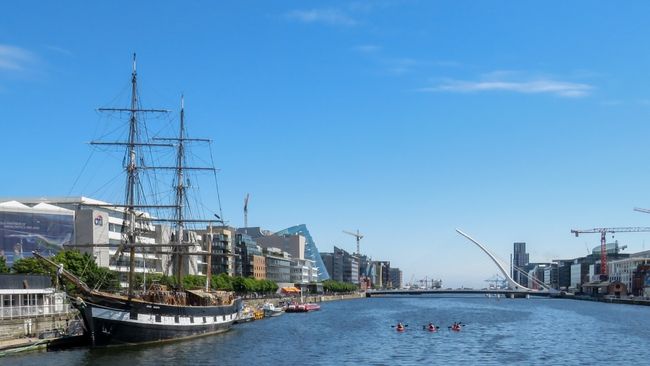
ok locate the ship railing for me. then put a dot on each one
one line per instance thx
(32, 311)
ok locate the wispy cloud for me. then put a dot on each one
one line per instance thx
(325, 16)
(513, 82)
(14, 58)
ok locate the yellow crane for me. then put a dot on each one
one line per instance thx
(358, 236)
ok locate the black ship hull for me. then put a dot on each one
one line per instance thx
(110, 321)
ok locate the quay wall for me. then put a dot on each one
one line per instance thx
(32, 326)
(310, 298)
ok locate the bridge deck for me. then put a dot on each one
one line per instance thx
(517, 293)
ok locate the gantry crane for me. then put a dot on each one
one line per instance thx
(603, 245)
(358, 236)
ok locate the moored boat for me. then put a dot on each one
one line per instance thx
(271, 310)
(157, 313)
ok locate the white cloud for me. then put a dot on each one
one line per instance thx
(325, 16)
(502, 81)
(14, 58)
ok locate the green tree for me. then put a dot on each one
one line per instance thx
(29, 266)
(192, 282)
(222, 282)
(3, 265)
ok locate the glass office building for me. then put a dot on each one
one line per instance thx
(311, 251)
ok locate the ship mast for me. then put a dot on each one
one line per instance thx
(132, 170)
(180, 193)
(178, 252)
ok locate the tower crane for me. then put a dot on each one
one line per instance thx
(358, 236)
(603, 245)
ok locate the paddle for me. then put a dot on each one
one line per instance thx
(404, 325)
(426, 327)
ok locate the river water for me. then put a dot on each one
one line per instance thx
(358, 332)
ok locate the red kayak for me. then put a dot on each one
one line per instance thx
(400, 329)
(431, 328)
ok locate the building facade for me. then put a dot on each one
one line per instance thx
(520, 260)
(342, 266)
(278, 265)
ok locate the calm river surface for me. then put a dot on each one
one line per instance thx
(358, 332)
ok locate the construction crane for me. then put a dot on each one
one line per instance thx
(603, 244)
(246, 210)
(644, 210)
(358, 236)
(497, 282)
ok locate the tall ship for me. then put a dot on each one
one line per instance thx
(156, 313)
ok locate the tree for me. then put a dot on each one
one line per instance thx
(29, 266)
(3, 265)
(222, 282)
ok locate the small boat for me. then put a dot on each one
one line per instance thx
(302, 307)
(258, 314)
(247, 314)
(431, 328)
(400, 328)
(271, 310)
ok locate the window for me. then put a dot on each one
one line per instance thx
(177, 319)
(158, 318)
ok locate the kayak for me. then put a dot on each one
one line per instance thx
(400, 329)
(431, 329)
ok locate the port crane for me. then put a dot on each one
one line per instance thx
(358, 236)
(603, 244)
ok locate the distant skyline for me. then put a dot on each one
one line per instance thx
(512, 121)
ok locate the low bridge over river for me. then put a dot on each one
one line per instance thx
(514, 289)
(488, 292)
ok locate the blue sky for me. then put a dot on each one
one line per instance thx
(514, 121)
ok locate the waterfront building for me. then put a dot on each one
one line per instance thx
(294, 244)
(303, 271)
(223, 258)
(251, 257)
(551, 275)
(641, 281)
(35, 227)
(579, 275)
(395, 278)
(519, 262)
(311, 250)
(81, 223)
(278, 265)
(367, 272)
(623, 270)
(382, 274)
(536, 274)
(30, 304)
(563, 273)
(341, 266)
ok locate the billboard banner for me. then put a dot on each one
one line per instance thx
(24, 232)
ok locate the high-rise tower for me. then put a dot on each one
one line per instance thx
(519, 261)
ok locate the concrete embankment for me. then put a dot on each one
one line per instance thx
(628, 301)
(311, 298)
